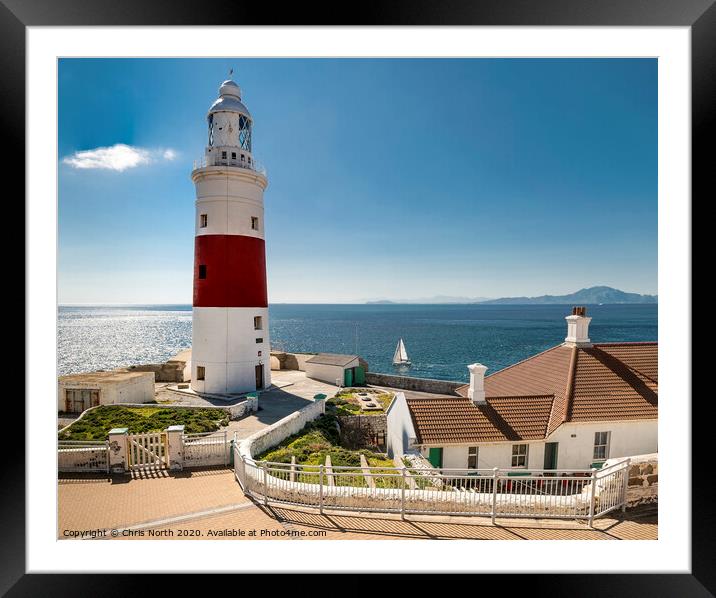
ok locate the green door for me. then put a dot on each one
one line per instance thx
(359, 375)
(550, 455)
(435, 456)
(347, 377)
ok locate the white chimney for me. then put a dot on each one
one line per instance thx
(578, 328)
(476, 392)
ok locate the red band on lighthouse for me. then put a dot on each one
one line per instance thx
(233, 270)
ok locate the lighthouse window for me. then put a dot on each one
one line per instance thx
(223, 155)
(258, 323)
(254, 223)
(200, 372)
(244, 133)
(259, 340)
(203, 220)
(202, 271)
(233, 155)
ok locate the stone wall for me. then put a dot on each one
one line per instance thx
(643, 485)
(643, 480)
(363, 431)
(280, 360)
(409, 383)
(171, 371)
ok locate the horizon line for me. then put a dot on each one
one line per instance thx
(101, 304)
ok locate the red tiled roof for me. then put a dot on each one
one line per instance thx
(458, 420)
(608, 381)
(611, 383)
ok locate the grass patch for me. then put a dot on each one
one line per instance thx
(381, 465)
(347, 401)
(317, 440)
(96, 424)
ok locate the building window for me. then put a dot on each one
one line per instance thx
(202, 271)
(519, 455)
(203, 220)
(259, 340)
(259, 353)
(601, 446)
(258, 323)
(472, 457)
(233, 155)
(200, 372)
(223, 155)
(254, 223)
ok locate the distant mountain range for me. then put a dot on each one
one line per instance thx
(590, 296)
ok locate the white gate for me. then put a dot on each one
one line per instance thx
(147, 451)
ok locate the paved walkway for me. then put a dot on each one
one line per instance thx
(290, 391)
(163, 505)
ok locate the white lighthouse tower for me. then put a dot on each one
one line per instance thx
(230, 337)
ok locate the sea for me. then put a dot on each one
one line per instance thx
(441, 340)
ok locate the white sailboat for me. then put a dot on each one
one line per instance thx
(401, 355)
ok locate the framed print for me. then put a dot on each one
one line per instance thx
(364, 285)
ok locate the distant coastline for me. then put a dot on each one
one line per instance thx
(599, 295)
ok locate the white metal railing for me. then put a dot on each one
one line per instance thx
(83, 455)
(206, 449)
(556, 494)
(205, 161)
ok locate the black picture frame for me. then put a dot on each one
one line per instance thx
(699, 15)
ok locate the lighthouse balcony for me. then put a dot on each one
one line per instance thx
(234, 162)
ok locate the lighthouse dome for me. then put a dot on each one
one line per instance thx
(229, 100)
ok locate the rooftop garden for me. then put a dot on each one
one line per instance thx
(353, 401)
(96, 424)
(320, 439)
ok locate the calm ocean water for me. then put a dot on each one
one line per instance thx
(441, 339)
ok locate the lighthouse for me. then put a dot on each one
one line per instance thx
(230, 336)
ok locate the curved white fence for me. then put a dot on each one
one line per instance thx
(563, 494)
(583, 494)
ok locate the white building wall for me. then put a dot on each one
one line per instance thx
(227, 215)
(134, 389)
(496, 454)
(328, 373)
(575, 449)
(224, 343)
(400, 427)
(627, 438)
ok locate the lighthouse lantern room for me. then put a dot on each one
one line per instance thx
(230, 337)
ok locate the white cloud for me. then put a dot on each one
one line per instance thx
(118, 157)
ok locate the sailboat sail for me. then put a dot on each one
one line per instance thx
(401, 355)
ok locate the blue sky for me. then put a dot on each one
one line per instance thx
(394, 179)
